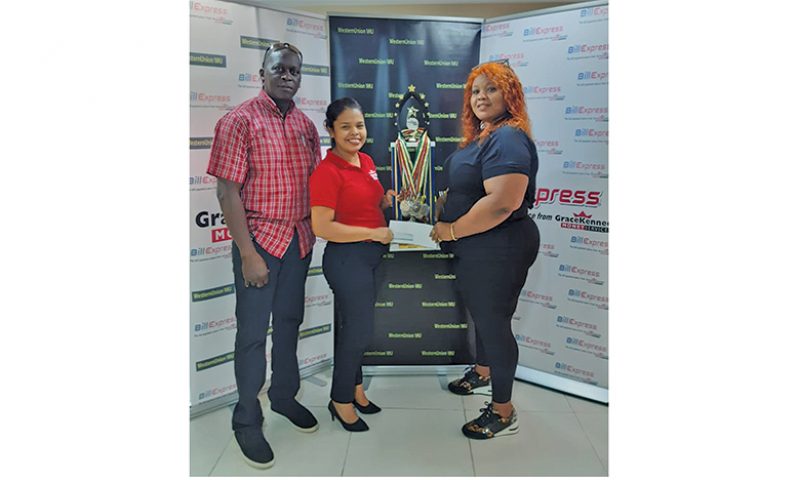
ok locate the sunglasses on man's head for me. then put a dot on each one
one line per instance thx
(283, 46)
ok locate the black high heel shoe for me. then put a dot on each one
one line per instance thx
(358, 426)
(368, 409)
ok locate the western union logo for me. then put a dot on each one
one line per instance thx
(200, 143)
(211, 293)
(405, 41)
(312, 272)
(449, 139)
(437, 353)
(405, 286)
(360, 86)
(383, 304)
(405, 335)
(378, 114)
(312, 332)
(356, 31)
(379, 353)
(447, 276)
(255, 42)
(375, 61)
(207, 60)
(320, 70)
(437, 255)
(442, 115)
(448, 326)
(441, 63)
(384, 168)
(453, 86)
(437, 304)
(215, 361)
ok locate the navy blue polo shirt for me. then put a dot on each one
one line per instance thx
(506, 150)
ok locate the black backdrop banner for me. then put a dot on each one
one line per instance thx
(419, 318)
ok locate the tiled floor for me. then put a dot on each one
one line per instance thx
(416, 434)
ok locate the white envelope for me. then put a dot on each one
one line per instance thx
(411, 236)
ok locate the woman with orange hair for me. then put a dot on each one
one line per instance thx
(484, 223)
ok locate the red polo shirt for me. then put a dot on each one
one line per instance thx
(354, 193)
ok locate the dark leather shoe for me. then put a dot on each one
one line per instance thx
(368, 409)
(358, 426)
(299, 416)
(256, 450)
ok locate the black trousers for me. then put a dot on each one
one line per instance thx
(491, 269)
(350, 270)
(284, 299)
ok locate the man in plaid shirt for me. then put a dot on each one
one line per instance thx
(263, 153)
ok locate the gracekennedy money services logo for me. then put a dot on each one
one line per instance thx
(548, 147)
(553, 33)
(541, 299)
(584, 112)
(306, 26)
(566, 196)
(544, 92)
(573, 324)
(588, 50)
(588, 298)
(215, 222)
(591, 169)
(577, 373)
(581, 221)
(542, 346)
(211, 13)
(586, 346)
(589, 243)
(497, 30)
(590, 275)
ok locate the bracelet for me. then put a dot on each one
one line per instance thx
(451, 232)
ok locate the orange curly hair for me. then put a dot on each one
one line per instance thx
(513, 93)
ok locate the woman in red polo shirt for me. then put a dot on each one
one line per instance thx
(346, 200)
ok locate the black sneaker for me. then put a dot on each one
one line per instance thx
(299, 416)
(256, 450)
(471, 383)
(490, 424)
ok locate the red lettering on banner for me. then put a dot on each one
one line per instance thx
(220, 235)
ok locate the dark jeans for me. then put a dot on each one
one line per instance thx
(491, 270)
(350, 269)
(284, 298)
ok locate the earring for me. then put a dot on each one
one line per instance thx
(482, 125)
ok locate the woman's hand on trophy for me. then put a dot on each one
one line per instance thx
(383, 235)
(387, 200)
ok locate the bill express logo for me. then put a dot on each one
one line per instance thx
(585, 198)
(496, 30)
(554, 33)
(213, 326)
(581, 112)
(534, 343)
(548, 147)
(216, 392)
(568, 370)
(202, 99)
(548, 249)
(586, 346)
(597, 170)
(583, 51)
(533, 297)
(569, 323)
(206, 219)
(299, 25)
(580, 273)
(591, 78)
(249, 80)
(516, 59)
(208, 12)
(589, 243)
(311, 104)
(202, 254)
(587, 298)
(591, 15)
(544, 92)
